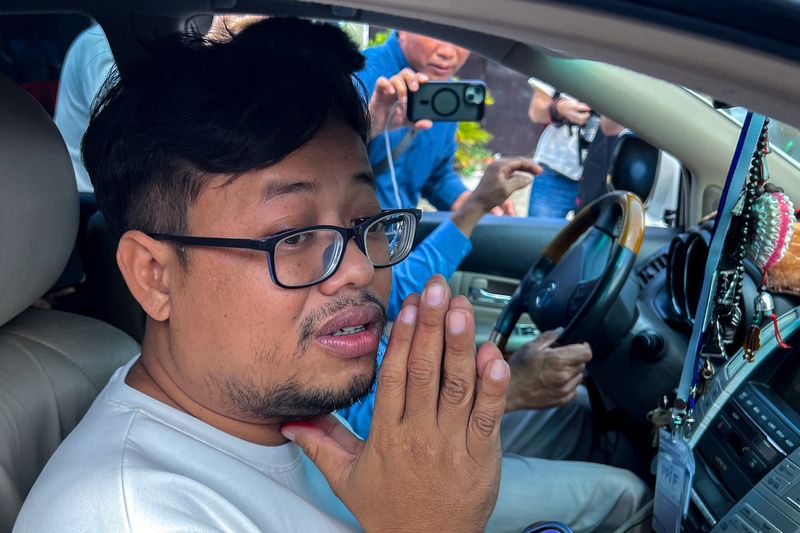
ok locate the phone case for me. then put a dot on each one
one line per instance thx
(447, 101)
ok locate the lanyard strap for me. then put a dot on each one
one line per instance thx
(734, 182)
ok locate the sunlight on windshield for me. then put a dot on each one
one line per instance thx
(781, 136)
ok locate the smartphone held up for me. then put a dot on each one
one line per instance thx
(447, 101)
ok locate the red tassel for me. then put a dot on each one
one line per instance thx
(782, 344)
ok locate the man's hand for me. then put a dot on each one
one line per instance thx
(543, 376)
(573, 111)
(389, 91)
(503, 177)
(432, 460)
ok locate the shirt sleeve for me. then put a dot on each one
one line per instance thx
(439, 253)
(96, 70)
(444, 185)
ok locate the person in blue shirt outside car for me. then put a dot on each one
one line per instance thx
(425, 168)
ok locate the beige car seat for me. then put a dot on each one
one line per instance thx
(52, 364)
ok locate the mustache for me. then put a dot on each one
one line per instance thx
(316, 318)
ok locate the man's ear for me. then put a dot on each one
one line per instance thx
(148, 268)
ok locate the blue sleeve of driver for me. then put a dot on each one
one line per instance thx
(439, 253)
(359, 415)
(444, 185)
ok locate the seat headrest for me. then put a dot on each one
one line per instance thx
(634, 166)
(38, 201)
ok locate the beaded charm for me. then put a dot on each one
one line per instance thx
(773, 220)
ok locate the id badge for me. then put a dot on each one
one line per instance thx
(673, 483)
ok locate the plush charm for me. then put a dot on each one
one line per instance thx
(785, 276)
(773, 217)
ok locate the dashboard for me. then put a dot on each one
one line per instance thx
(647, 362)
(686, 261)
(747, 443)
(746, 436)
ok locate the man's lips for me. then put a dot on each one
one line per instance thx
(352, 333)
(442, 69)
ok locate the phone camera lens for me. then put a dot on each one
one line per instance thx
(474, 94)
(445, 102)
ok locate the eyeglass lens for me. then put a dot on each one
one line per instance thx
(311, 256)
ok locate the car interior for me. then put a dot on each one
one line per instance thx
(67, 320)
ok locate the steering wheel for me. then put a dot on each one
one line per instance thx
(581, 272)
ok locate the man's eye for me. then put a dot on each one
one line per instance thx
(359, 220)
(296, 240)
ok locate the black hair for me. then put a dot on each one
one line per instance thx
(165, 125)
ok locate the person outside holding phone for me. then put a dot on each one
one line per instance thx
(561, 149)
(424, 168)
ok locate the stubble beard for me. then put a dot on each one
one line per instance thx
(291, 399)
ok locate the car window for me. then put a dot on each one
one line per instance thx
(508, 129)
(782, 137)
(575, 157)
(32, 49)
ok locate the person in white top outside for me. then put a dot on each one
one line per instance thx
(561, 149)
(86, 67)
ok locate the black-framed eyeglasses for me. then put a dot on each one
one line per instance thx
(303, 257)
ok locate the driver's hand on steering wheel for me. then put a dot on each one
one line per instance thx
(544, 376)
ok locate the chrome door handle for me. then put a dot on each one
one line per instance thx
(482, 296)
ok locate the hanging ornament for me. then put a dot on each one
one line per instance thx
(773, 218)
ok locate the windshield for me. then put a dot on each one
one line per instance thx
(782, 137)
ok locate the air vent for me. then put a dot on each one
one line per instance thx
(652, 268)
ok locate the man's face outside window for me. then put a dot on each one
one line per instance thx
(439, 60)
(249, 350)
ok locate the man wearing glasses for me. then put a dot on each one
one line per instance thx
(253, 238)
(251, 234)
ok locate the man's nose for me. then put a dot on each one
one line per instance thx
(355, 269)
(446, 51)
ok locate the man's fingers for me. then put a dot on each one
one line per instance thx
(425, 357)
(517, 180)
(569, 387)
(411, 79)
(400, 88)
(390, 396)
(384, 86)
(329, 445)
(545, 340)
(459, 374)
(521, 164)
(483, 431)
(423, 125)
(573, 354)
